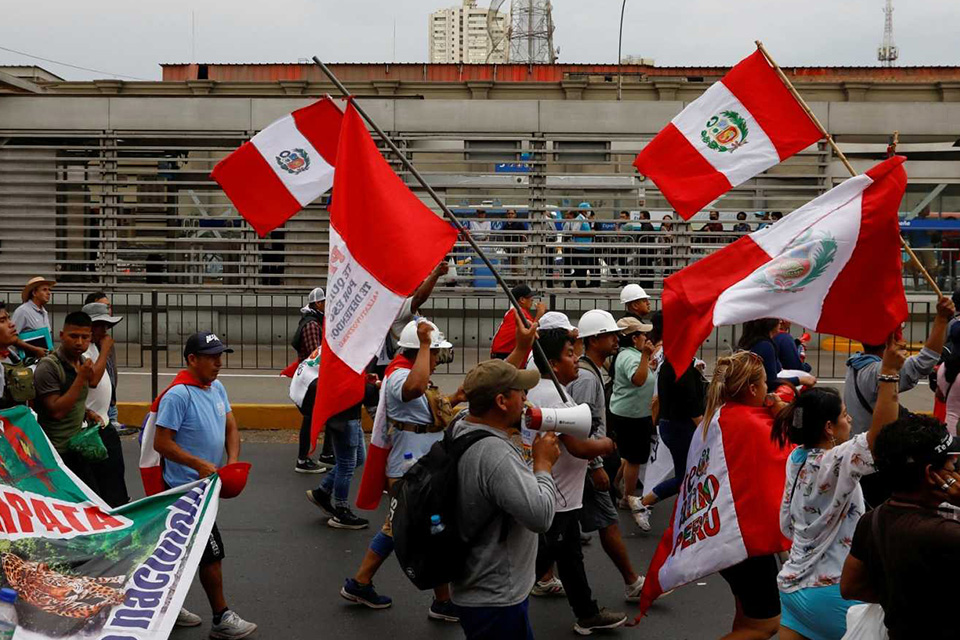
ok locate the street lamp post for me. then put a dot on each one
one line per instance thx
(623, 6)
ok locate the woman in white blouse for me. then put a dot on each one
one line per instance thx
(822, 499)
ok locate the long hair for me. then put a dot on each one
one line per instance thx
(731, 376)
(804, 419)
(756, 330)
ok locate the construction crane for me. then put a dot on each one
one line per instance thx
(887, 52)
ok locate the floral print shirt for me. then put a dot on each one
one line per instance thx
(820, 514)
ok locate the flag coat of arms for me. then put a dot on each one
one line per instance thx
(833, 264)
(383, 243)
(741, 126)
(283, 168)
(728, 508)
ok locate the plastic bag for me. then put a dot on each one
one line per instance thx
(865, 622)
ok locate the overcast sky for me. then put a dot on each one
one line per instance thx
(133, 38)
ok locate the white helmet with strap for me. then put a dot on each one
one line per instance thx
(409, 340)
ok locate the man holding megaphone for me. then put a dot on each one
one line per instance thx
(561, 544)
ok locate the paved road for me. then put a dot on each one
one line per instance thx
(284, 568)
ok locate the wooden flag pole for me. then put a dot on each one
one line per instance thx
(846, 163)
(446, 212)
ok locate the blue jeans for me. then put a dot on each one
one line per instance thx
(497, 623)
(348, 450)
(676, 434)
(112, 413)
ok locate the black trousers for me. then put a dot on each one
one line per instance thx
(306, 409)
(561, 545)
(109, 474)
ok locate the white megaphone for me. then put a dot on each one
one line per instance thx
(574, 421)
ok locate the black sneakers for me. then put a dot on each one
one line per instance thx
(309, 466)
(346, 519)
(322, 500)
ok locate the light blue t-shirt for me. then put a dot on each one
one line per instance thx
(199, 417)
(417, 411)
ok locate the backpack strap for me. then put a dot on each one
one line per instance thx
(856, 388)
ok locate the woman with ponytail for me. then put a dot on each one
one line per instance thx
(738, 404)
(822, 499)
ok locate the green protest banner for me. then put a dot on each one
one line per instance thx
(80, 568)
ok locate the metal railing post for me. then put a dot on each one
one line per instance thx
(154, 350)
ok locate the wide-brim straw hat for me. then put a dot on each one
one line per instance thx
(32, 284)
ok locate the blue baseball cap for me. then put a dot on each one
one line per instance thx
(204, 343)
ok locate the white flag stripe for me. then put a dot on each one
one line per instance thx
(775, 238)
(738, 165)
(283, 136)
(359, 310)
(705, 509)
(755, 295)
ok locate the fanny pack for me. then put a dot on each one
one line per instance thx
(441, 411)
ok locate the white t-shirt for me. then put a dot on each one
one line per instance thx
(306, 373)
(824, 511)
(98, 398)
(569, 472)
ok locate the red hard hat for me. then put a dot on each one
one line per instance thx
(233, 479)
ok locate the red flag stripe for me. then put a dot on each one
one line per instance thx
(690, 295)
(320, 124)
(338, 388)
(682, 174)
(255, 190)
(389, 231)
(759, 88)
(885, 308)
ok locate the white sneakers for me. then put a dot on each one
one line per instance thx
(641, 515)
(232, 627)
(187, 619)
(631, 593)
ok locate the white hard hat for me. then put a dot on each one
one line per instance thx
(595, 322)
(555, 320)
(317, 295)
(632, 292)
(409, 340)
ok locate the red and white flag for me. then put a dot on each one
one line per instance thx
(283, 168)
(742, 125)
(833, 264)
(728, 508)
(383, 243)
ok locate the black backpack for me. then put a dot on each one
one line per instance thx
(430, 488)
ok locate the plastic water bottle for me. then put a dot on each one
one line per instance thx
(8, 614)
(436, 525)
(408, 462)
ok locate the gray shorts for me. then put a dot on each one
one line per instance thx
(598, 511)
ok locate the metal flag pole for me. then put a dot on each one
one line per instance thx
(446, 212)
(843, 158)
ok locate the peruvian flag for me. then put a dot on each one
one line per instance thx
(833, 264)
(742, 125)
(283, 168)
(728, 508)
(383, 243)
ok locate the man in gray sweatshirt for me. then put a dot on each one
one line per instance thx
(502, 504)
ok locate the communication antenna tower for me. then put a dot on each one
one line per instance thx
(530, 34)
(887, 52)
